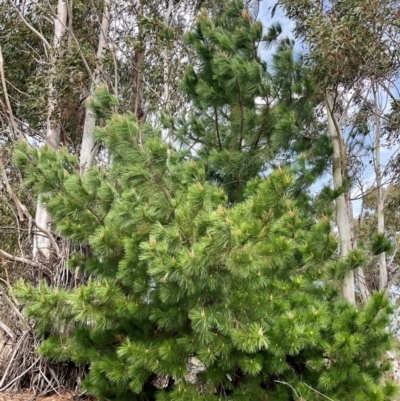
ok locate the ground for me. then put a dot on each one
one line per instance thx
(29, 396)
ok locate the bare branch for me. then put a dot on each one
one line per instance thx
(10, 363)
(289, 385)
(24, 322)
(9, 109)
(316, 391)
(6, 329)
(18, 377)
(19, 259)
(30, 27)
(49, 236)
(21, 209)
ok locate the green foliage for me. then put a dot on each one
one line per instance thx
(209, 252)
(178, 271)
(380, 244)
(247, 116)
(30, 67)
(347, 39)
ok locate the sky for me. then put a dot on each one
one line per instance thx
(288, 26)
(279, 16)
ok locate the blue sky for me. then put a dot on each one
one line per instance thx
(287, 26)
(279, 16)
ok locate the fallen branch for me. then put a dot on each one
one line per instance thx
(48, 381)
(6, 329)
(11, 361)
(25, 324)
(19, 376)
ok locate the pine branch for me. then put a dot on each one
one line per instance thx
(217, 128)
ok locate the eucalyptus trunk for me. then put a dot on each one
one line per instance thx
(166, 61)
(342, 213)
(383, 275)
(42, 242)
(88, 148)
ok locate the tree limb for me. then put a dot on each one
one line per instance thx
(6, 329)
(21, 209)
(19, 259)
(25, 324)
(49, 236)
(9, 109)
(30, 27)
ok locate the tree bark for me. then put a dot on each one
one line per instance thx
(41, 243)
(342, 215)
(88, 148)
(383, 275)
(166, 61)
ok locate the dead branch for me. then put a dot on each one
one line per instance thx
(49, 236)
(11, 361)
(6, 329)
(19, 259)
(9, 109)
(24, 322)
(21, 209)
(18, 377)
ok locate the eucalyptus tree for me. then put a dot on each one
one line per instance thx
(352, 51)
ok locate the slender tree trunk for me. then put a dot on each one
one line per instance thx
(342, 215)
(166, 61)
(361, 281)
(88, 148)
(42, 243)
(383, 276)
(138, 106)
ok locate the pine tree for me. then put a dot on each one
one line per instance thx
(177, 272)
(195, 291)
(248, 115)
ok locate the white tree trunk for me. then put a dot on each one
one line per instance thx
(166, 61)
(383, 275)
(342, 215)
(41, 242)
(88, 148)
